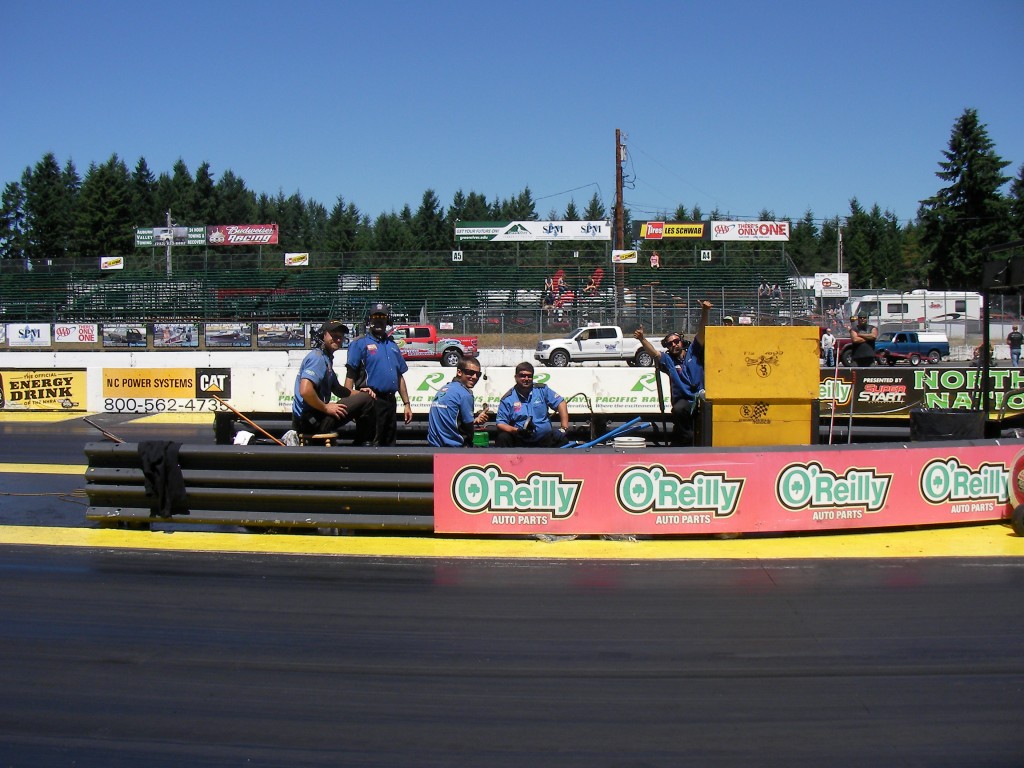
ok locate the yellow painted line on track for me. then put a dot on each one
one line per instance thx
(44, 469)
(996, 540)
(175, 418)
(43, 417)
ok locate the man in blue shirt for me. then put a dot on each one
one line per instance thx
(378, 358)
(451, 421)
(685, 371)
(522, 419)
(313, 411)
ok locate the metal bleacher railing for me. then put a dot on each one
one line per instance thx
(489, 291)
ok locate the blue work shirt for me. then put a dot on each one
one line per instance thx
(515, 410)
(382, 359)
(319, 369)
(686, 376)
(451, 408)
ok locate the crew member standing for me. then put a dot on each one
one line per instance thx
(378, 357)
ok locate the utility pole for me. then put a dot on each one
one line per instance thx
(170, 242)
(620, 271)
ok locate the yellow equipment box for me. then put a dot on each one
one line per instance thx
(741, 362)
(761, 384)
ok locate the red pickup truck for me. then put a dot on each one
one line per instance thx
(424, 342)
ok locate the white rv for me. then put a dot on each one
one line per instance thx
(917, 308)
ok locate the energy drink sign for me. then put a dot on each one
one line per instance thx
(49, 390)
(726, 491)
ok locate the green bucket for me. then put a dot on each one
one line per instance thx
(480, 438)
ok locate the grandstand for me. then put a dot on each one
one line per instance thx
(489, 291)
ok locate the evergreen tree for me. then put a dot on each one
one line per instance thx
(571, 212)
(145, 212)
(235, 203)
(206, 199)
(1017, 204)
(48, 210)
(12, 222)
(970, 213)
(803, 246)
(430, 230)
(183, 196)
(595, 210)
(342, 227)
(103, 215)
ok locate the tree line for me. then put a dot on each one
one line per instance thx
(53, 212)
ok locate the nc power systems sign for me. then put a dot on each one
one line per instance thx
(527, 231)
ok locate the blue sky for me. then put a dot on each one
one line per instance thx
(739, 106)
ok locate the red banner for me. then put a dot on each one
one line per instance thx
(242, 234)
(725, 491)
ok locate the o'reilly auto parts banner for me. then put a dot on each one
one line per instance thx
(242, 234)
(524, 231)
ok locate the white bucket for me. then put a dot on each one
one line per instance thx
(629, 443)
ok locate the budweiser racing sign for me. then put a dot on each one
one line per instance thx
(242, 234)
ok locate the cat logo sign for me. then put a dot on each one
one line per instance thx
(213, 381)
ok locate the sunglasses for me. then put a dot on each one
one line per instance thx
(470, 372)
(674, 341)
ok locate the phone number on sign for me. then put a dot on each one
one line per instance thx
(159, 405)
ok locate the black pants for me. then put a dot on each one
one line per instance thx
(378, 426)
(682, 423)
(314, 422)
(552, 439)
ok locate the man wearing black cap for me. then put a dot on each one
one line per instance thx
(863, 338)
(377, 358)
(313, 412)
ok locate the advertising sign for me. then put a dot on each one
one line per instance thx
(28, 334)
(111, 262)
(667, 230)
(242, 234)
(280, 335)
(750, 230)
(624, 257)
(146, 237)
(296, 259)
(74, 333)
(521, 231)
(175, 335)
(646, 492)
(118, 335)
(832, 285)
(164, 390)
(229, 335)
(49, 390)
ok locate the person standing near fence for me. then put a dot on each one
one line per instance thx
(376, 366)
(1015, 339)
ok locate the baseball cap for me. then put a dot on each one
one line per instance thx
(380, 309)
(728, 320)
(333, 326)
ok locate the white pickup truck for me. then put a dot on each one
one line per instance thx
(593, 344)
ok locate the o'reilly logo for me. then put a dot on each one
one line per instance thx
(642, 490)
(489, 489)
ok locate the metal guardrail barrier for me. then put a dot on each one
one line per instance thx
(270, 487)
